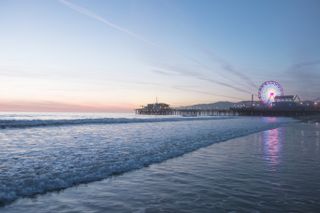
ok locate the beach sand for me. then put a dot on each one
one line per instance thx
(276, 170)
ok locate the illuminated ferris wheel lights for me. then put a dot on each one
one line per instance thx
(268, 91)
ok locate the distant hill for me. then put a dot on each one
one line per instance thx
(219, 105)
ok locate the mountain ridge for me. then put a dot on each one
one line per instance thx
(217, 105)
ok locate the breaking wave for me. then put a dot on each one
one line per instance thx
(4, 124)
(39, 160)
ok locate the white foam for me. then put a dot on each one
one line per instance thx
(38, 160)
(25, 123)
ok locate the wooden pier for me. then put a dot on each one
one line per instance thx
(188, 112)
(280, 108)
(205, 112)
(274, 112)
(231, 112)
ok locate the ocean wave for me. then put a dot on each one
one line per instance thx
(25, 123)
(38, 160)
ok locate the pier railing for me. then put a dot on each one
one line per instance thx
(245, 111)
(188, 112)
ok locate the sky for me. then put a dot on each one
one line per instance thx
(116, 55)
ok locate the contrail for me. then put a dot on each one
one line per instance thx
(91, 14)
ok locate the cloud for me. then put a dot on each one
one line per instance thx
(304, 65)
(52, 106)
(225, 65)
(166, 69)
(162, 72)
(186, 89)
(305, 78)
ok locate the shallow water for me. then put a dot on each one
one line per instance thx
(44, 159)
(276, 170)
(270, 171)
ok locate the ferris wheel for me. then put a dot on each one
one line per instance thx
(268, 91)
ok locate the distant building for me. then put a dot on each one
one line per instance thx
(155, 109)
(285, 101)
(290, 102)
(309, 104)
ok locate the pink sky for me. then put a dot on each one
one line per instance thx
(48, 106)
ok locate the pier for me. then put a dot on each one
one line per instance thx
(164, 109)
(232, 112)
(274, 112)
(188, 112)
(205, 112)
(272, 102)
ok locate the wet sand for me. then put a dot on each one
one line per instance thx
(310, 119)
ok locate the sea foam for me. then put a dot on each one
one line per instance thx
(38, 160)
(25, 123)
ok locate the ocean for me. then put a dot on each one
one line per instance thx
(62, 162)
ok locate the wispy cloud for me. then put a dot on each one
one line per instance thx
(183, 71)
(162, 72)
(305, 78)
(304, 64)
(225, 65)
(186, 89)
(54, 106)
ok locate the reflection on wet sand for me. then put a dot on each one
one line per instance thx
(272, 141)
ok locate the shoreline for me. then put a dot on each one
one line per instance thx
(176, 139)
(311, 119)
(273, 141)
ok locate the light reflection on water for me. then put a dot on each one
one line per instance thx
(272, 142)
(270, 119)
